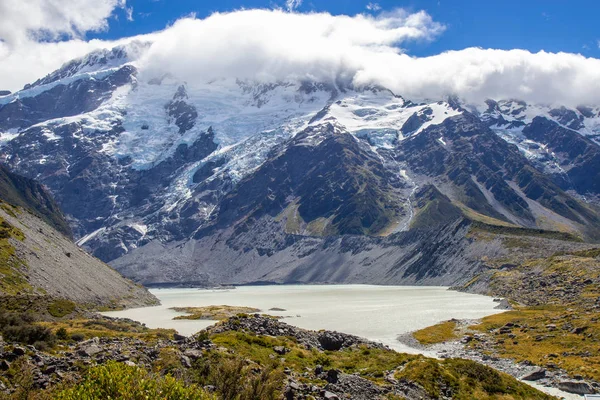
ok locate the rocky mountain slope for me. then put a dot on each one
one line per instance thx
(29, 194)
(237, 181)
(36, 260)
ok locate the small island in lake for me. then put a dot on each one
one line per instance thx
(216, 313)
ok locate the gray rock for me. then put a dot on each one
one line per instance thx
(186, 362)
(579, 330)
(193, 354)
(281, 350)
(503, 305)
(50, 370)
(89, 350)
(18, 351)
(331, 341)
(577, 387)
(535, 375)
(330, 396)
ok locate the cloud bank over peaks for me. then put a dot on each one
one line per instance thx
(270, 45)
(278, 45)
(364, 49)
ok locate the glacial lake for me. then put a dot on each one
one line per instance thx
(377, 313)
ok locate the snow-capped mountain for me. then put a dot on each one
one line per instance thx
(139, 161)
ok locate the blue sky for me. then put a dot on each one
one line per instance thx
(551, 25)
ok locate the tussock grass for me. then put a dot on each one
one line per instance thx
(439, 333)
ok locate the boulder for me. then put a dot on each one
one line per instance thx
(503, 305)
(333, 375)
(186, 362)
(177, 337)
(535, 375)
(579, 330)
(281, 350)
(330, 341)
(193, 354)
(577, 387)
(18, 351)
(89, 350)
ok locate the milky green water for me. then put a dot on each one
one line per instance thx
(378, 313)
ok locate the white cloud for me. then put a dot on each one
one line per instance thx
(293, 4)
(128, 13)
(373, 7)
(30, 31)
(477, 74)
(274, 44)
(364, 49)
(24, 20)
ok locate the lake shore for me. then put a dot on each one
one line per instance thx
(545, 380)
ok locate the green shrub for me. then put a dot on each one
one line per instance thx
(464, 379)
(201, 336)
(21, 328)
(237, 378)
(62, 334)
(322, 359)
(60, 308)
(119, 381)
(78, 337)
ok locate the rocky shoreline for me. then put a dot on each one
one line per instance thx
(320, 381)
(553, 378)
(46, 370)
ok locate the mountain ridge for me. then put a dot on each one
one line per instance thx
(152, 159)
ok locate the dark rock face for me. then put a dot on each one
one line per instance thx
(568, 118)
(29, 194)
(415, 121)
(580, 156)
(335, 179)
(183, 114)
(63, 100)
(85, 181)
(477, 161)
(435, 208)
(142, 190)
